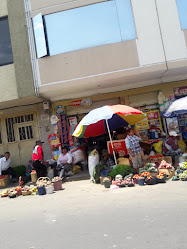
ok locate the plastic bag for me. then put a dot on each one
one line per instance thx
(93, 160)
(158, 147)
(78, 156)
(182, 146)
(76, 169)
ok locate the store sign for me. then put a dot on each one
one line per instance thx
(72, 121)
(59, 109)
(142, 125)
(180, 92)
(81, 102)
(63, 129)
(119, 147)
(152, 115)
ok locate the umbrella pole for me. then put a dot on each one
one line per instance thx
(111, 141)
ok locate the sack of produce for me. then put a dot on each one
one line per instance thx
(78, 156)
(93, 160)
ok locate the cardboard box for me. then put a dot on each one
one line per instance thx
(4, 182)
(169, 172)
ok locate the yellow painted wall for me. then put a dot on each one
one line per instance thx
(167, 89)
(3, 8)
(8, 83)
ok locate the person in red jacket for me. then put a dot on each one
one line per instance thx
(37, 158)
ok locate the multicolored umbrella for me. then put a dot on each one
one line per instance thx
(106, 119)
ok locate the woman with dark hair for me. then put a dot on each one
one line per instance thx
(64, 163)
(134, 149)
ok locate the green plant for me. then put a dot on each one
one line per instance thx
(20, 170)
(121, 169)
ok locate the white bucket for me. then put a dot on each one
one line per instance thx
(49, 189)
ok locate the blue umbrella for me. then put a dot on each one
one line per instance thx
(178, 107)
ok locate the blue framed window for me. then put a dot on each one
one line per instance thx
(89, 26)
(182, 9)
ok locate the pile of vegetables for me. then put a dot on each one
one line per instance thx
(121, 169)
(165, 165)
(145, 174)
(150, 167)
(183, 176)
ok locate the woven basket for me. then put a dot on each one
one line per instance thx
(24, 193)
(42, 179)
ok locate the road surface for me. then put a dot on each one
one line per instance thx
(87, 216)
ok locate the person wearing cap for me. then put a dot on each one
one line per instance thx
(170, 147)
(107, 160)
(37, 159)
(64, 163)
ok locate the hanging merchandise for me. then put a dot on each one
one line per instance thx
(55, 146)
(63, 130)
(172, 124)
(70, 133)
(54, 121)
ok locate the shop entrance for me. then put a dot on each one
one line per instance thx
(19, 136)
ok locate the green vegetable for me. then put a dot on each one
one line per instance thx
(97, 171)
(93, 153)
(121, 169)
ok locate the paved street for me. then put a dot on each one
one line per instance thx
(87, 216)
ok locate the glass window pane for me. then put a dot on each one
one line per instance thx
(126, 19)
(84, 27)
(5, 43)
(39, 36)
(182, 9)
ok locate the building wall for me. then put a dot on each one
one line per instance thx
(149, 42)
(91, 61)
(8, 83)
(20, 48)
(3, 8)
(166, 88)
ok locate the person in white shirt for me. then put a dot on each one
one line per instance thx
(64, 162)
(5, 168)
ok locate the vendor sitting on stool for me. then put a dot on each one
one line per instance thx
(170, 147)
(64, 163)
(107, 160)
(5, 168)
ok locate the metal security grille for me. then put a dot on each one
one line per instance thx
(25, 132)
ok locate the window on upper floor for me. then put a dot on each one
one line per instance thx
(5, 43)
(182, 9)
(85, 27)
